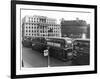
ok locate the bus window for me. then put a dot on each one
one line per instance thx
(61, 42)
(54, 43)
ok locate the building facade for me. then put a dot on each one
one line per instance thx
(40, 26)
(75, 28)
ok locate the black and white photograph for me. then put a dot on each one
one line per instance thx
(54, 39)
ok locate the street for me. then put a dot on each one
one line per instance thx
(32, 58)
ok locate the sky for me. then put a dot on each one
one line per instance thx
(67, 15)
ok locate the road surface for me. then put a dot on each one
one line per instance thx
(32, 58)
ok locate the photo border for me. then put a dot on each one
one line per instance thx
(13, 38)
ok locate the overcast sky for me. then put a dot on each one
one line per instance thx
(58, 15)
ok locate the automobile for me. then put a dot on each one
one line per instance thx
(39, 44)
(27, 41)
(60, 48)
(81, 51)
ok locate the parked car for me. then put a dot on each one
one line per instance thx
(27, 42)
(81, 50)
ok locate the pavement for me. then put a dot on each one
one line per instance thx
(32, 58)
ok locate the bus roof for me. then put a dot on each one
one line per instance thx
(59, 38)
(82, 39)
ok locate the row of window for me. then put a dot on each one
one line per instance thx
(35, 35)
(41, 28)
(30, 24)
(31, 27)
(41, 35)
(41, 31)
(36, 27)
(36, 31)
(39, 20)
(53, 28)
(42, 22)
(32, 31)
(31, 34)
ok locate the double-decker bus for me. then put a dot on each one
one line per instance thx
(39, 44)
(60, 48)
(81, 50)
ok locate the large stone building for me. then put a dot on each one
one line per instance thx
(40, 26)
(75, 28)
